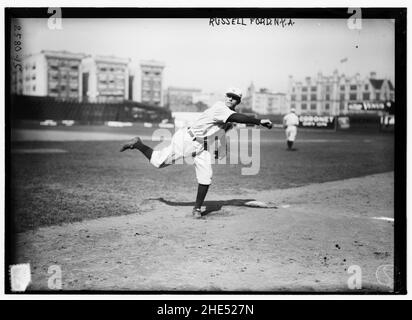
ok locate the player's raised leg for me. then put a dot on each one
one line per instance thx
(136, 143)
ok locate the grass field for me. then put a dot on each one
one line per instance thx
(93, 179)
(334, 211)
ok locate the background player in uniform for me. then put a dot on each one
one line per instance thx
(190, 141)
(290, 123)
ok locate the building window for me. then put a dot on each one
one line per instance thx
(313, 97)
(366, 96)
(352, 96)
(313, 88)
(327, 97)
(304, 89)
(33, 77)
(342, 96)
(293, 106)
(342, 88)
(341, 106)
(304, 98)
(34, 67)
(377, 96)
(304, 106)
(353, 87)
(327, 88)
(293, 89)
(34, 88)
(366, 87)
(327, 106)
(313, 106)
(293, 97)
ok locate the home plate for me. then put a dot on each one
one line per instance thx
(260, 204)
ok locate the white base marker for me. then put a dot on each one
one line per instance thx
(384, 218)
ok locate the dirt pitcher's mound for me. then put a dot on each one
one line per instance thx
(324, 237)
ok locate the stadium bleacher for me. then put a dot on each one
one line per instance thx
(24, 107)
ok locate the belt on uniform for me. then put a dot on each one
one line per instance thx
(192, 135)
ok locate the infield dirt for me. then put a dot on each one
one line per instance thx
(307, 244)
(110, 221)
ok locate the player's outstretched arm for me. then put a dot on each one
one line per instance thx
(242, 118)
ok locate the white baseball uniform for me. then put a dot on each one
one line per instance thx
(291, 121)
(189, 142)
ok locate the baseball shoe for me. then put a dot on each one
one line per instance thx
(132, 144)
(196, 213)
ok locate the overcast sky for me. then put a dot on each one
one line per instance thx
(213, 58)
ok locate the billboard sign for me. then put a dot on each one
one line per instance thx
(310, 121)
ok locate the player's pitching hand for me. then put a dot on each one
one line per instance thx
(266, 123)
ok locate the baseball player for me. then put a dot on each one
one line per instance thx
(290, 123)
(190, 141)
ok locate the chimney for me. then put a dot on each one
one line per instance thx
(373, 75)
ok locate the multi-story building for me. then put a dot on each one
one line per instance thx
(333, 95)
(16, 83)
(264, 101)
(208, 98)
(147, 82)
(179, 99)
(54, 74)
(105, 79)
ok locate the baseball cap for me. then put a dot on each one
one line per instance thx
(234, 91)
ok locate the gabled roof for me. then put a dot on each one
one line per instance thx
(377, 84)
(391, 87)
